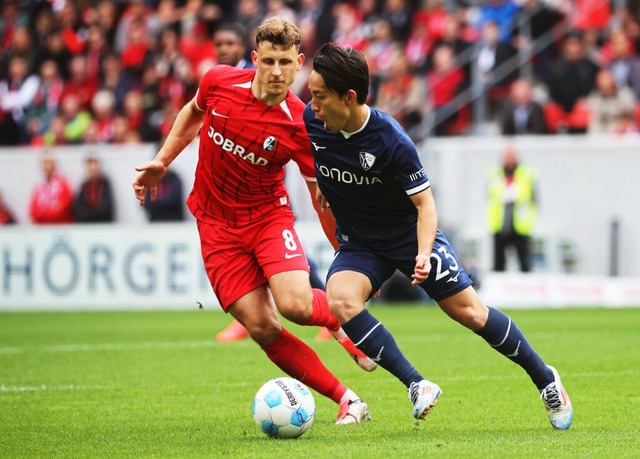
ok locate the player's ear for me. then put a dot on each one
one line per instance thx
(300, 61)
(350, 97)
(254, 58)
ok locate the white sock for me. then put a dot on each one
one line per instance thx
(349, 395)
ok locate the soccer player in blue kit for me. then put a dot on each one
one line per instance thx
(370, 175)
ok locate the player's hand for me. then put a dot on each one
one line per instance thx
(149, 176)
(321, 200)
(422, 269)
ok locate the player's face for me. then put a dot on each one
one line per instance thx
(229, 47)
(327, 105)
(276, 69)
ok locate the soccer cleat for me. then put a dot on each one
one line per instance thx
(424, 395)
(557, 403)
(356, 354)
(235, 331)
(353, 412)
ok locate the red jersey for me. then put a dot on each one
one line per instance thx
(51, 201)
(244, 146)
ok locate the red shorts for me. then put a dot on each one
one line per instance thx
(238, 260)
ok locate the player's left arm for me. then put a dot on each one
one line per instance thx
(327, 220)
(426, 231)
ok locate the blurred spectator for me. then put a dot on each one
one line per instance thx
(80, 84)
(54, 49)
(46, 101)
(250, 14)
(198, 49)
(76, 119)
(16, 95)
(230, 40)
(21, 44)
(115, 79)
(502, 12)
(347, 31)
(496, 63)
(96, 50)
(444, 83)
(106, 17)
(73, 31)
(136, 51)
(452, 37)
(137, 119)
(571, 80)
(533, 30)
(104, 114)
(399, 17)
(432, 15)
(608, 102)
(521, 114)
(511, 209)
(403, 96)
(174, 71)
(169, 204)
(52, 199)
(620, 57)
(142, 14)
(418, 46)
(94, 201)
(6, 216)
(55, 135)
(380, 51)
(279, 8)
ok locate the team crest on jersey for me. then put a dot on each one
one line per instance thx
(367, 160)
(269, 143)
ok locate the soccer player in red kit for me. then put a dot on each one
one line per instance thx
(250, 126)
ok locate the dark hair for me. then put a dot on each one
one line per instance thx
(279, 32)
(342, 69)
(234, 27)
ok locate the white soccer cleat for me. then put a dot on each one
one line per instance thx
(353, 412)
(356, 354)
(557, 403)
(424, 395)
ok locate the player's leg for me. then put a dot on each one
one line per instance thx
(300, 304)
(281, 257)
(501, 333)
(450, 286)
(236, 332)
(347, 292)
(257, 313)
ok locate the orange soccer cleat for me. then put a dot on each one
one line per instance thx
(235, 331)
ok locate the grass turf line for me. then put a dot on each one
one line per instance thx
(156, 384)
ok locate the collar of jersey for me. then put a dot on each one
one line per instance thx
(346, 135)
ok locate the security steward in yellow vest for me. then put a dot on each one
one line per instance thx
(511, 209)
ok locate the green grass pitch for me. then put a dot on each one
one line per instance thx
(156, 384)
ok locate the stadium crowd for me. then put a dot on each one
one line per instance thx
(87, 71)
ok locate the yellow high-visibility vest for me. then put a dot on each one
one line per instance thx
(524, 207)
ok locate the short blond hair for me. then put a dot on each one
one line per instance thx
(278, 31)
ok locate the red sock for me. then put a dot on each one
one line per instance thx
(322, 315)
(298, 360)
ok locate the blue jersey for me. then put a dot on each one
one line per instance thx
(367, 178)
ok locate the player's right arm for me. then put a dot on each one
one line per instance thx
(183, 131)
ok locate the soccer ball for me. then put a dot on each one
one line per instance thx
(284, 408)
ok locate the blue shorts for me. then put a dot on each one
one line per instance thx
(447, 277)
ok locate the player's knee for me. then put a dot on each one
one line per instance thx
(471, 316)
(264, 333)
(343, 309)
(297, 309)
